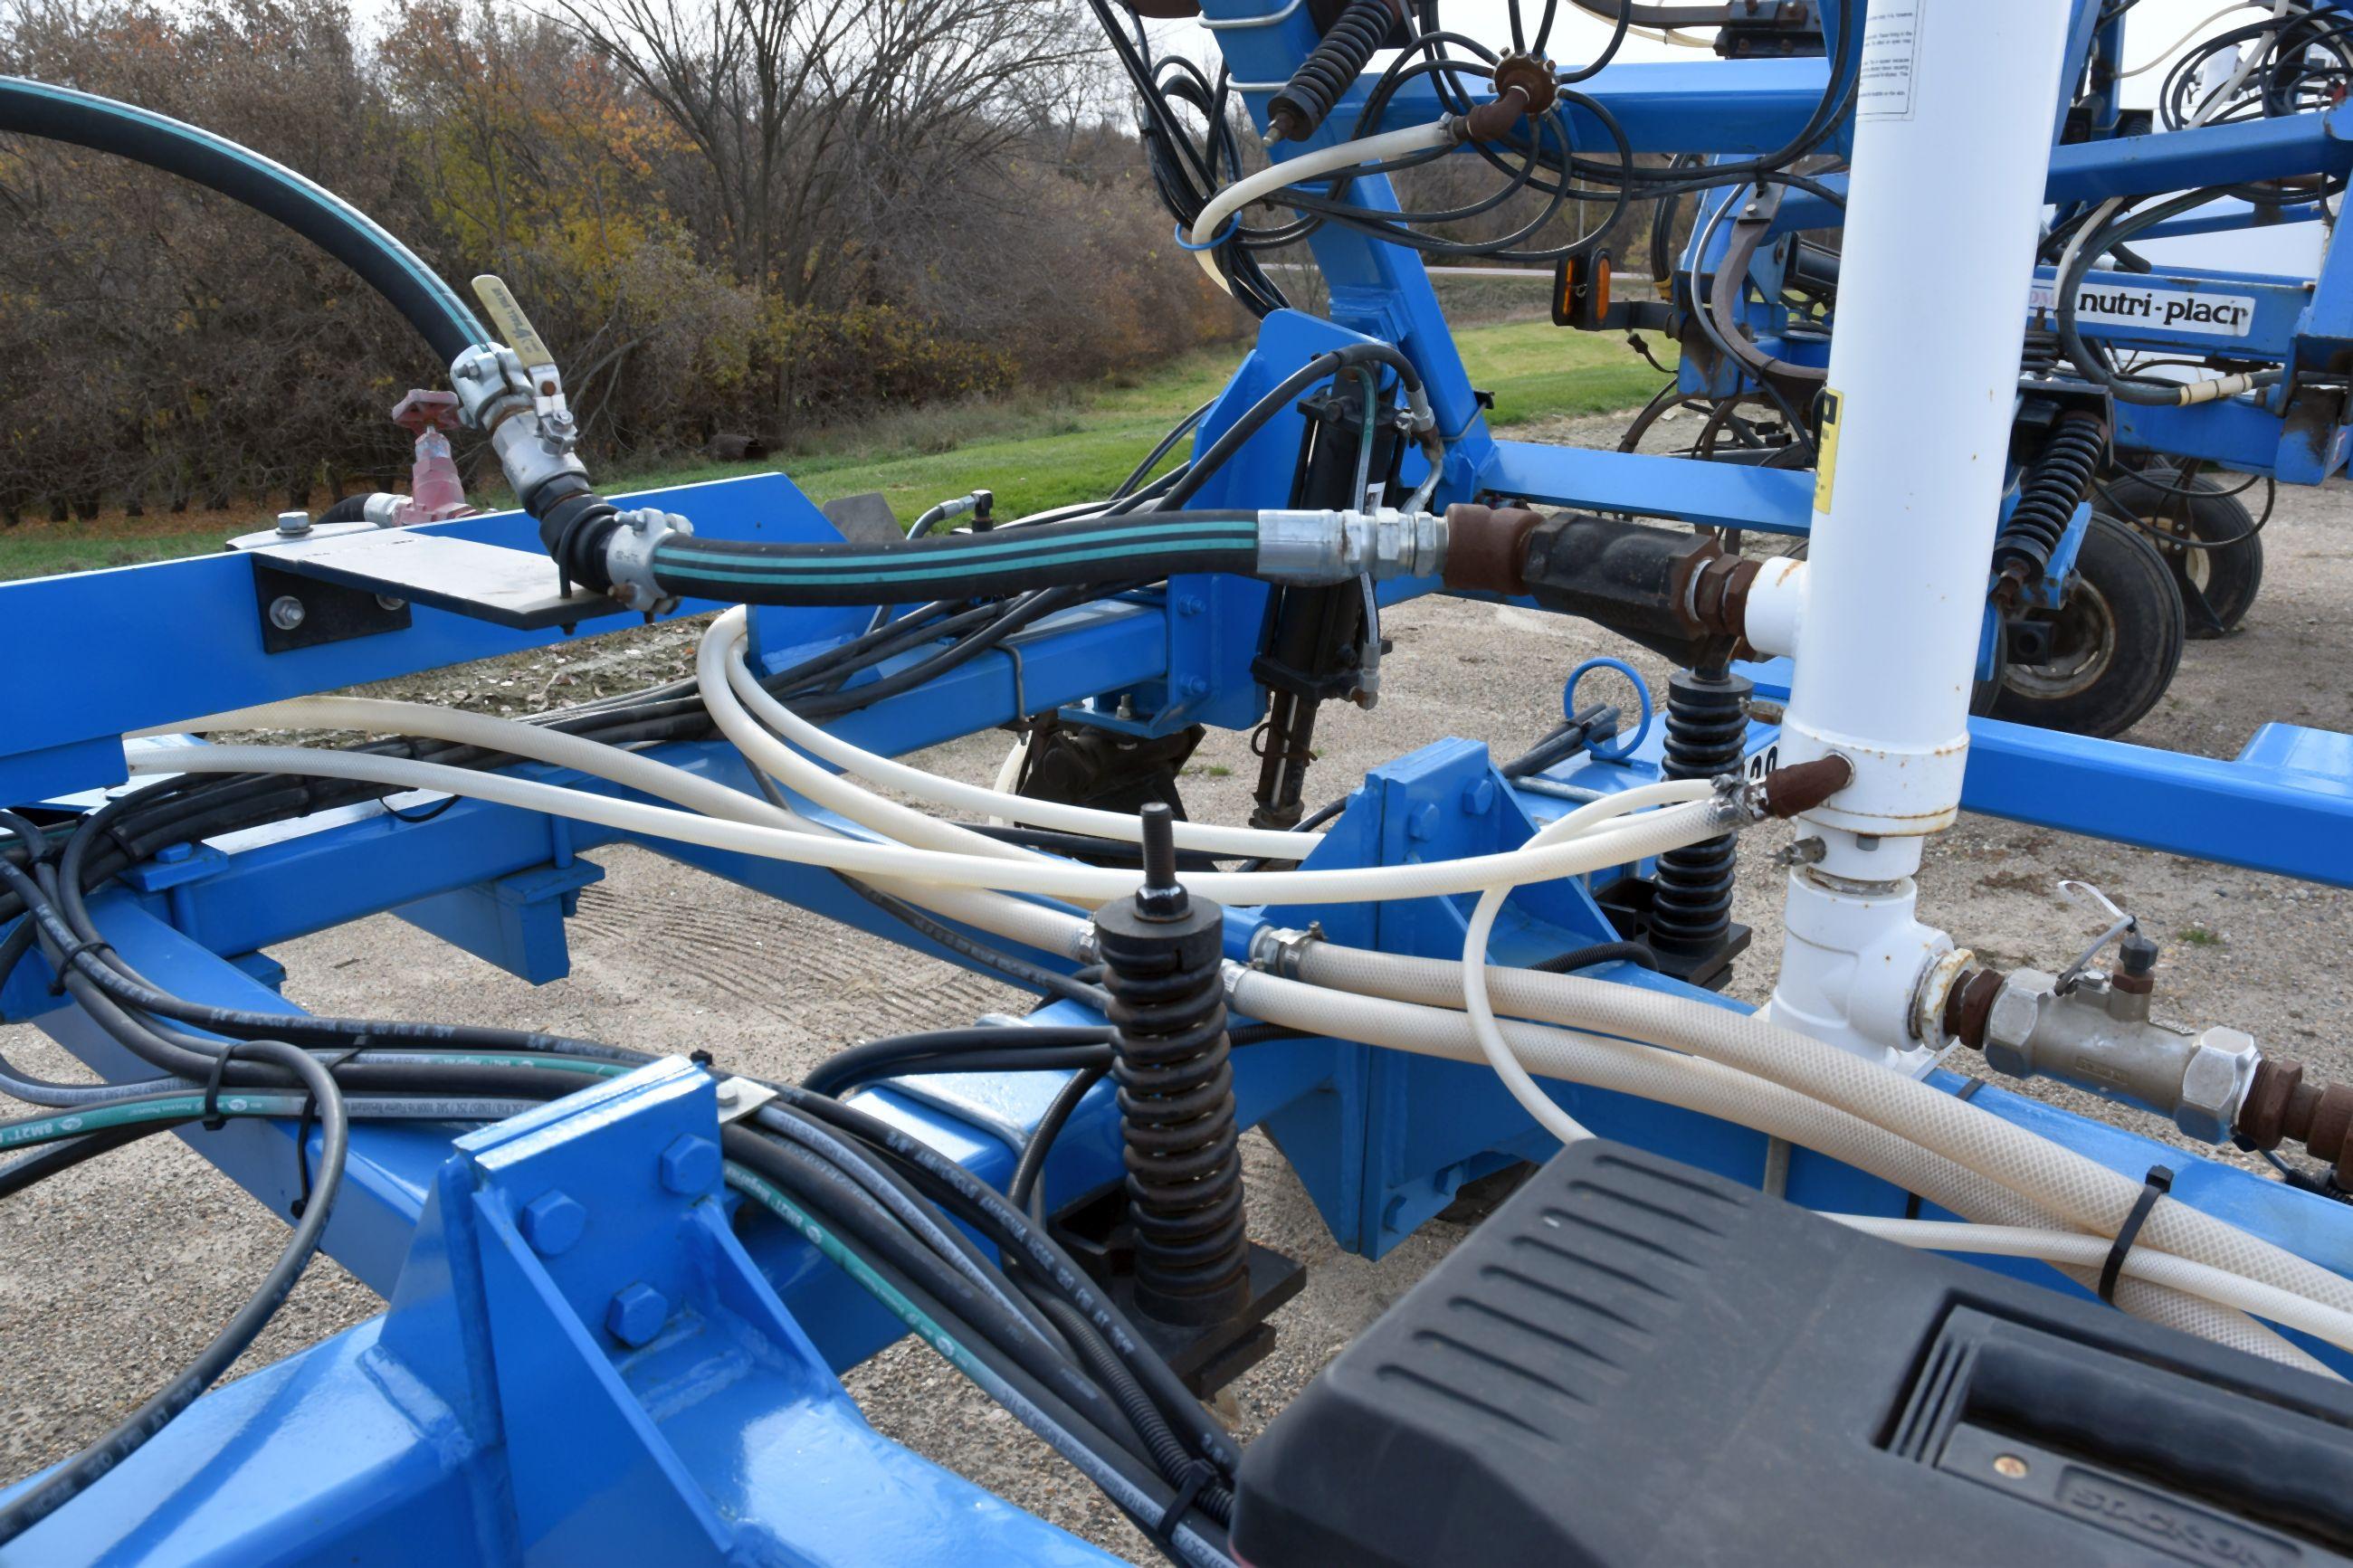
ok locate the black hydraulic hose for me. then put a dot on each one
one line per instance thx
(1332, 361)
(318, 214)
(1024, 1185)
(969, 565)
(1592, 953)
(989, 1210)
(877, 1058)
(76, 1475)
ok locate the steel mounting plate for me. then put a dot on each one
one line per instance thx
(509, 587)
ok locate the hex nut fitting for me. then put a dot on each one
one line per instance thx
(2011, 1022)
(2222, 1066)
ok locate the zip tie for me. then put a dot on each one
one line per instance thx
(2156, 1184)
(309, 1119)
(1232, 24)
(1233, 222)
(66, 961)
(213, 1119)
(1198, 1475)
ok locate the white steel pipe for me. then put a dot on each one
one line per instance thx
(1952, 148)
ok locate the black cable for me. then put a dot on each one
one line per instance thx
(1023, 1187)
(1586, 957)
(76, 1475)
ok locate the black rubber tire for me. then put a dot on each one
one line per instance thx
(2118, 644)
(2218, 586)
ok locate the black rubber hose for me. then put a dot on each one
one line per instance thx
(1330, 363)
(318, 214)
(877, 1058)
(76, 1475)
(966, 565)
(1586, 957)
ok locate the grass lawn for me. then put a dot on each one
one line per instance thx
(1035, 452)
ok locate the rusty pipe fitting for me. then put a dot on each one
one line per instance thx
(1798, 788)
(1525, 84)
(1486, 547)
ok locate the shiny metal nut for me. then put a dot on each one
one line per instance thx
(2221, 1067)
(286, 612)
(2009, 1023)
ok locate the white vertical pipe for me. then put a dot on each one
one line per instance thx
(1952, 149)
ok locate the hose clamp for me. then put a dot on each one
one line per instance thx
(630, 558)
(1283, 950)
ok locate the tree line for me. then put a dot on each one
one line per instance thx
(731, 217)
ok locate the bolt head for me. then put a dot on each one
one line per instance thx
(293, 522)
(1479, 797)
(1191, 604)
(1195, 687)
(1421, 822)
(637, 1315)
(286, 612)
(690, 1166)
(552, 1223)
(388, 603)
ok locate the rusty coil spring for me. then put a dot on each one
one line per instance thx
(1330, 69)
(2052, 489)
(1707, 736)
(1177, 1105)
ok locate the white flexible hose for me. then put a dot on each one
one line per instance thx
(1675, 827)
(1008, 772)
(1305, 166)
(1715, 1090)
(2080, 1190)
(764, 751)
(1481, 928)
(2283, 1307)
(1033, 925)
(1123, 827)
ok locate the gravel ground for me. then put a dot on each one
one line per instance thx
(119, 1271)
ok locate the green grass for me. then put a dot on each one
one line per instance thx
(1034, 451)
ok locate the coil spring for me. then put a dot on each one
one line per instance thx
(1706, 733)
(1329, 68)
(2053, 488)
(1176, 1108)
(2041, 356)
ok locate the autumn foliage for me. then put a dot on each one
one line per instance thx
(713, 250)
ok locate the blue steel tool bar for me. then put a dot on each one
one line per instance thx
(1750, 106)
(2236, 813)
(150, 618)
(2242, 151)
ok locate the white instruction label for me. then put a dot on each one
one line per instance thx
(2166, 309)
(1890, 49)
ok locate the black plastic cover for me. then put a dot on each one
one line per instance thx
(1633, 1361)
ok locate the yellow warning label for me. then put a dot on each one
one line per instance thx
(1826, 466)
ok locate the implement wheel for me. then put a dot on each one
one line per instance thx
(2114, 644)
(2207, 535)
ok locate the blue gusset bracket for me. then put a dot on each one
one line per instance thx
(580, 1366)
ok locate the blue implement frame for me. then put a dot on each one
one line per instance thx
(592, 1352)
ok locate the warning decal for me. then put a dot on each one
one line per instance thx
(1891, 48)
(1825, 464)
